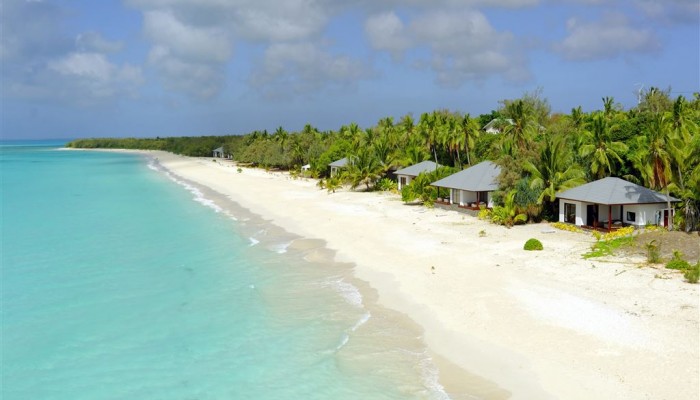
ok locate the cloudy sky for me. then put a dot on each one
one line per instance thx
(77, 68)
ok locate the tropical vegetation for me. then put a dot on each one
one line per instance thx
(655, 144)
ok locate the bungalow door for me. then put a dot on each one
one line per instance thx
(592, 215)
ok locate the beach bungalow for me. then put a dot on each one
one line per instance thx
(405, 175)
(473, 186)
(610, 202)
(496, 125)
(218, 152)
(336, 166)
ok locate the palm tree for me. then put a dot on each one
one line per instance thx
(384, 153)
(407, 125)
(554, 172)
(577, 117)
(428, 128)
(600, 147)
(608, 106)
(657, 143)
(364, 167)
(470, 130)
(454, 139)
(523, 123)
(281, 136)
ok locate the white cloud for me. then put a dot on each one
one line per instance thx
(42, 62)
(608, 38)
(202, 44)
(94, 75)
(462, 43)
(301, 68)
(387, 32)
(672, 11)
(93, 41)
(195, 79)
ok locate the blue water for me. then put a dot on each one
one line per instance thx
(121, 282)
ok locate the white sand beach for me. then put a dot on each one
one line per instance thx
(539, 325)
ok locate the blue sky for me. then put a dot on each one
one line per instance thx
(147, 68)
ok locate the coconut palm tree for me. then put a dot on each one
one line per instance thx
(655, 152)
(364, 168)
(470, 131)
(554, 172)
(600, 149)
(523, 125)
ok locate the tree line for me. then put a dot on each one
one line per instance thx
(655, 144)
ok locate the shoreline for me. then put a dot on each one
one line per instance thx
(545, 325)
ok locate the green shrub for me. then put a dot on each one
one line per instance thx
(653, 252)
(484, 213)
(533, 244)
(607, 247)
(677, 262)
(386, 184)
(680, 265)
(692, 273)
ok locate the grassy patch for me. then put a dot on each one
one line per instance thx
(607, 247)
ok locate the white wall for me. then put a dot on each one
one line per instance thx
(581, 213)
(468, 197)
(407, 177)
(645, 213)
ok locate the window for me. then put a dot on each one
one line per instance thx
(570, 213)
(403, 181)
(631, 216)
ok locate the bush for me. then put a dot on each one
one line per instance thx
(653, 252)
(386, 184)
(566, 227)
(484, 213)
(622, 232)
(677, 262)
(533, 244)
(692, 273)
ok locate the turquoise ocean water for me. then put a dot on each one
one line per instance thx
(121, 282)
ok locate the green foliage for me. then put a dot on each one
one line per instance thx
(655, 144)
(507, 214)
(606, 248)
(692, 273)
(420, 188)
(653, 252)
(484, 213)
(333, 183)
(386, 184)
(677, 262)
(533, 244)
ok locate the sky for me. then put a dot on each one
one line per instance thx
(147, 68)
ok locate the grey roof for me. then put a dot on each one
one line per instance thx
(416, 169)
(614, 191)
(497, 121)
(219, 149)
(339, 163)
(478, 178)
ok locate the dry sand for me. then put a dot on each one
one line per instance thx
(540, 325)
